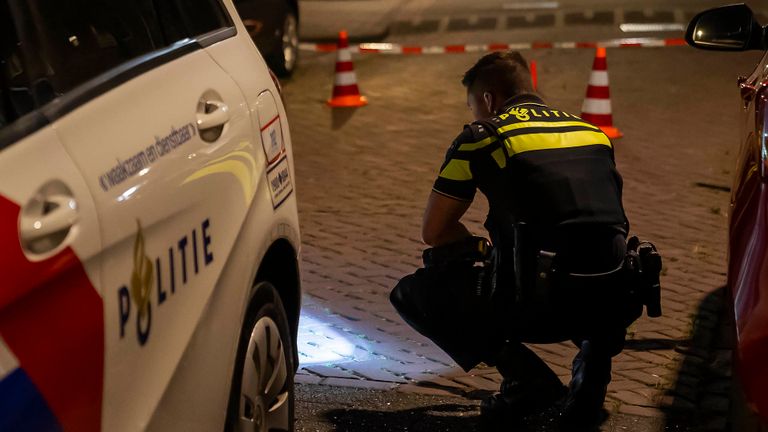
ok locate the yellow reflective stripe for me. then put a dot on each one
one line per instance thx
(500, 158)
(457, 169)
(531, 124)
(477, 145)
(551, 141)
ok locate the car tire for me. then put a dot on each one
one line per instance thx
(285, 58)
(262, 397)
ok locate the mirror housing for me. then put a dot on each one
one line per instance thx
(726, 28)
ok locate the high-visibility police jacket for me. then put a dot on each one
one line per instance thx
(539, 166)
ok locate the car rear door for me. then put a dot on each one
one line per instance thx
(51, 309)
(51, 313)
(158, 130)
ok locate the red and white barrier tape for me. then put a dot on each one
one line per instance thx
(390, 48)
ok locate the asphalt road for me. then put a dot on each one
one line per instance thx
(340, 409)
(362, 177)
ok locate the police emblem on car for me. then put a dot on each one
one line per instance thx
(184, 260)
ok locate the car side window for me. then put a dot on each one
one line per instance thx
(15, 97)
(201, 16)
(49, 47)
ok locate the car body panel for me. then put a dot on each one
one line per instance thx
(216, 334)
(167, 229)
(748, 247)
(51, 311)
(177, 228)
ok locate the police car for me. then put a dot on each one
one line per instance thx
(148, 221)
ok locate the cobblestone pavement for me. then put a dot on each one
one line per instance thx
(363, 177)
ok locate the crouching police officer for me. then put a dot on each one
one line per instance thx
(558, 230)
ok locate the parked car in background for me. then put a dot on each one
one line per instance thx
(734, 28)
(148, 226)
(274, 27)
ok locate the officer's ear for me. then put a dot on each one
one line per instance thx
(488, 101)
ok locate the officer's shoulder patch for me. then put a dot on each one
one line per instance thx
(464, 137)
(477, 132)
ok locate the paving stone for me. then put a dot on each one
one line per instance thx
(307, 378)
(431, 391)
(678, 403)
(649, 357)
(330, 372)
(359, 383)
(435, 381)
(719, 387)
(719, 404)
(715, 425)
(622, 384)
(633, 398)
(641, 376)
(641, 411)
(381, 370)
(477, 382)
(628, 364)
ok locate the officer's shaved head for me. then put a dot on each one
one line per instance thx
(502, 73)
(495, 78)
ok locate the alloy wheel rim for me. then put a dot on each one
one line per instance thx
(264, 393)
(290, 42)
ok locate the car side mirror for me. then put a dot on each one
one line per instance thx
(726, 28)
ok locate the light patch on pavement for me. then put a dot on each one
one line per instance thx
(319, 342)
(651, 27)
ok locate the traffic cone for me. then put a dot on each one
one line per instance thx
(345, 91)
(597, 105)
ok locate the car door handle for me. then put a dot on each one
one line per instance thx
(59, 213)
(211, 121)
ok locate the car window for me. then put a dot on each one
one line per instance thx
(49, 47)
(201, 16)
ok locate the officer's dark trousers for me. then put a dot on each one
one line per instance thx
(440, 304)
(592, 312)
(591, 368)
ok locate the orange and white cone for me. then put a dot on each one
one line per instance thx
(597, 105)
(345, 91)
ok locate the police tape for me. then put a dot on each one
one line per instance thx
(392, 48)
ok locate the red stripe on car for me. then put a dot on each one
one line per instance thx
(52, 319)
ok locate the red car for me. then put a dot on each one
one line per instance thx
(734, 28)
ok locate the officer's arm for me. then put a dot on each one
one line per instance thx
(441, 220)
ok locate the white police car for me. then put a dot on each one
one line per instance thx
(147, 218)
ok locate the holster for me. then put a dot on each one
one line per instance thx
(643, 266)
(551, 300)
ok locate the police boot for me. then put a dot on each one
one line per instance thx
(591, 374)
(529, 385)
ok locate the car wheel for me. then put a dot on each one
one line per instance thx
(262, 392)
(285, 59)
